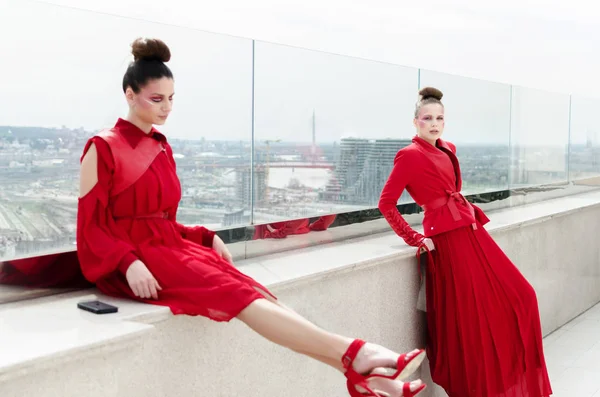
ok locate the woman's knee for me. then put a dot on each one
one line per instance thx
(267, 296)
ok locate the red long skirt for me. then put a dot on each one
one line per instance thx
(485, 337)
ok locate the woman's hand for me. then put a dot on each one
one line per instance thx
(221, 248)
(141, 281)
(429, 244)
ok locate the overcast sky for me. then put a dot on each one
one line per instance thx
(63, 66)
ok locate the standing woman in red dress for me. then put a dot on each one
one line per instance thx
(485, 336)
(131, 246)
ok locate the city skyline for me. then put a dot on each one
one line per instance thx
(583, 138)
(38, 204)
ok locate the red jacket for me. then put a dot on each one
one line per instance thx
(431, 175)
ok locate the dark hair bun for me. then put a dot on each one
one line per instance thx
(430, 92)
(150, 50)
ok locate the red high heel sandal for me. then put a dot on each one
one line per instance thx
(405, 368)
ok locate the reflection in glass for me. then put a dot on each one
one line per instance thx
(327, 129)
(43, 272)
(539, 137)
(478, 122)
(279, 230)
(584, 156)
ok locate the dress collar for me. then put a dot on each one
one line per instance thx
(134, 135)
(439, 144)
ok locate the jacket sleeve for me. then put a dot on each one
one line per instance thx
(197, 234)
(399, 178)
(102, 246)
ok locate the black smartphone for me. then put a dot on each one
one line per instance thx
(97, 307)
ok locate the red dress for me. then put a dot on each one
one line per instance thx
(484, 329)
(131, 214)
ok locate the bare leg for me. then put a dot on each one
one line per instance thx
(337, 364)
(333, 363)
(284, 328)
(288, 329)
(325, 360)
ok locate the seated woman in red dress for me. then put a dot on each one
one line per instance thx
(130, 244)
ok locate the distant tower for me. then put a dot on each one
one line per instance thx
(591, 139)
(313, 148)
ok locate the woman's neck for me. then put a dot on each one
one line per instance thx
(429, 141)
(147, 128)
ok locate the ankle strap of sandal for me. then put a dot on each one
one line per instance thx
(350, 355)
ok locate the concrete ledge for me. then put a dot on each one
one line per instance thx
(47, 333)
(363, 287)
(12, 293)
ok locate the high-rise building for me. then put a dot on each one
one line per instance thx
(244, 185)
(362, 169)
(378, 166)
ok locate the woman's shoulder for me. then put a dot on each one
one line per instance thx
(102, 149)
(452, 147)
(449, 145)
(409, 152)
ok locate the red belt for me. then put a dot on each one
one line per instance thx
(161, 215)
(452, 201)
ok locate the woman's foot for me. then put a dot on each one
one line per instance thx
(366, 367)
(387, 387)
(372, 356)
